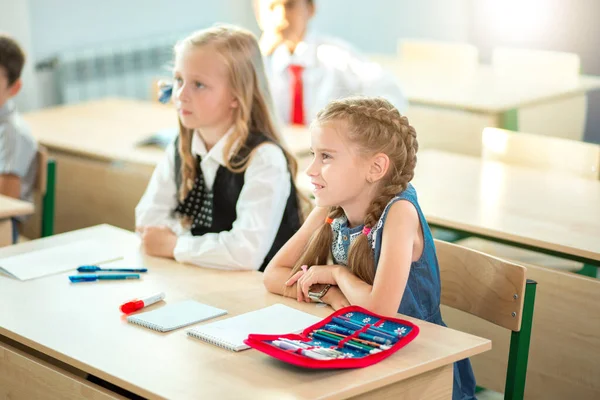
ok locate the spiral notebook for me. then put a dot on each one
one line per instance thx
(175, 316)
(231, 332)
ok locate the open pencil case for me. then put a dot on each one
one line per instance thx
(351, 337)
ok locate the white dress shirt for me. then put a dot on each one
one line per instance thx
(18, 150)
(332, 70)
(259, 209)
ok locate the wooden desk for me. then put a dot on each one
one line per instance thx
(102, 172)
(449, 110)
(80, 326)
(483, 90)
(9, 208)
(544, 211)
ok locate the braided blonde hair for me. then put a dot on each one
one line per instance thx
(375, 126)
(239, 49)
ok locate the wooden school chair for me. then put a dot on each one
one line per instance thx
(41, 224)
(542, 152)
(453, 56)
(493, 290)
(562, 117)
(438, 61)
(45, 185)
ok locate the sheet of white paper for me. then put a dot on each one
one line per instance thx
(57, 259)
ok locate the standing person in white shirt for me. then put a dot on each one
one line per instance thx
(224, 195)
(306, 71)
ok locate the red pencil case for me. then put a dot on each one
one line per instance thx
(372, 328)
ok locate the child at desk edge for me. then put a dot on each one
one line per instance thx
(18, 148)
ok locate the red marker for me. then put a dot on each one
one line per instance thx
(138, 304)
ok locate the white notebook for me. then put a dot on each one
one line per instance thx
(230, 333)
(37, 263)
(175, 316)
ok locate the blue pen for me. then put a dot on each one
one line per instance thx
(317, 335)
(346, 331)
(95, 268)
(95, 277)
(371, 330)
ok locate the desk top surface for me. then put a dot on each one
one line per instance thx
(80, 324)
(544, 209)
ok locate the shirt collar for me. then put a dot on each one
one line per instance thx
(304, 55)
(7, 108)
(216, 153)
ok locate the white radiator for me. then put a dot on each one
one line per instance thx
(124, 70)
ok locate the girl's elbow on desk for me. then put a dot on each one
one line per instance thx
(272, 279)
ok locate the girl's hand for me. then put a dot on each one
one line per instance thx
(294, 279)
(335, 298)
(158, 241)
(323, 274)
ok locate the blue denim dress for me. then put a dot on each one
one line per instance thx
(421, 297)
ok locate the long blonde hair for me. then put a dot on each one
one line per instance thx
(239, 49)
(375, 126)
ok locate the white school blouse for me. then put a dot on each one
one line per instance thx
(259, 209)
(332, 70)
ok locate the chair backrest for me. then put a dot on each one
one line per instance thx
(388, 62)
(449, 55)
(554, 65)
(45, 184)
(543, 152)
(41, 180)
(482, 285)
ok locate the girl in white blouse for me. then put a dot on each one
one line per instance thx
(224, 194)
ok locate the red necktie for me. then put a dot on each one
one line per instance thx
(297, 95)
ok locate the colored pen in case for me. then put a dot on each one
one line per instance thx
(95, 268)
(138, 304)
(307, 353)
(342, 337)
(372, 330)
(321, 350)
(95, 277)
(361, 341)
(375, 328)
(366, 336)
(349, 345)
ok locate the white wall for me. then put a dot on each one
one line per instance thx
(71, 24)
(15, 20)
(374, 26)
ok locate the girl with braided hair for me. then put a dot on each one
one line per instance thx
(368, 220)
